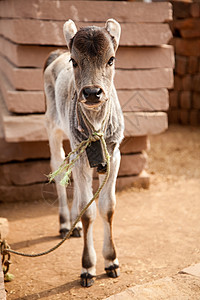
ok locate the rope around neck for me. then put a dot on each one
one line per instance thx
(5, 248)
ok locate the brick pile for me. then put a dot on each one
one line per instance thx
(185, 97)
(29, 30)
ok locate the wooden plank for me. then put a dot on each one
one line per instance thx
(32, 127)
(24, 128)
(25, 55)
(2, 287)
(47, 192)
(21, 101)
(4, 229)
(86, 10)
(21, 151)
(22, 78)
(132, 164)
(130, 100)
(32, 79)
(140, 181)
(144, 100)
(145, 123)
(25, 173)
(145, 57)
(134, 144)
(127, 57)
(27, 31)
(144, 79)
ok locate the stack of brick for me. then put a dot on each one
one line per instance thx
(29, 30)
(185, 97)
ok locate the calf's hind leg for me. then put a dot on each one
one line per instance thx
(107, 202)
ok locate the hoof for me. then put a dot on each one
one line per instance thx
(87, 280)
(113, 271)
(77, 232)
(63, 232)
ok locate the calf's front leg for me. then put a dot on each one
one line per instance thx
(107, 202)
(82, 175)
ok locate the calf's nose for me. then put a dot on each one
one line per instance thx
(92, 93)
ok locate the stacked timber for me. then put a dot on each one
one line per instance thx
(29, 30)
(185, 97)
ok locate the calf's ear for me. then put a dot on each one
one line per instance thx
(69, 30)
(114, 29)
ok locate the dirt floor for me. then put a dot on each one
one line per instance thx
(157, 231)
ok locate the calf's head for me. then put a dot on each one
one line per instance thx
(93, 57)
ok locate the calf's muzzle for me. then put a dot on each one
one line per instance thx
(92, 95)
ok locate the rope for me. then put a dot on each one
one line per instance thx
(5, 249)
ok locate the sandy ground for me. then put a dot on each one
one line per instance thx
(157, 231)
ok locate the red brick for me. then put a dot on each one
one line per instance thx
(177, 83)
(187, 23)
(134, 144)
(87, 11)
(196, 100)
(196, 83)
(184, 116)
(51, 32)
(191, 33)
(187, 83)
(195, 10)
(173, 99)
(181, 9)
(187, 47)
(194, 117)
(192, 64)
(173, 116)
(181, 65)
(185, 99)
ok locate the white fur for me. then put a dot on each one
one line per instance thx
(114, 28)
(69, 30)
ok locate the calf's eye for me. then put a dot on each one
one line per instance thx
(74, 63)
(111, 61)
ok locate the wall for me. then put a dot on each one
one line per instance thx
(185, 97)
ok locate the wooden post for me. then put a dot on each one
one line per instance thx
(3, 234)
(2, 287)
